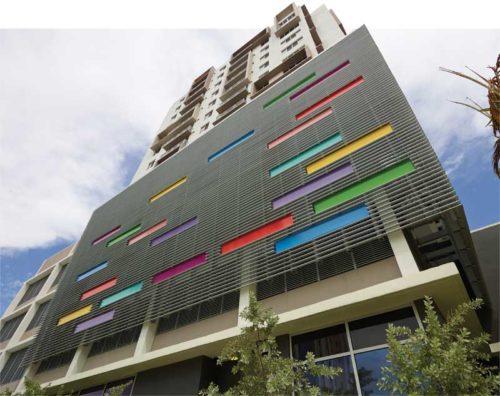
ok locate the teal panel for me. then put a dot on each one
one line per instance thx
(305, 155)
(137, 287)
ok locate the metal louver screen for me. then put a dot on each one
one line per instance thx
(232, 195)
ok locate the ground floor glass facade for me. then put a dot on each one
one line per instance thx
(358, 347)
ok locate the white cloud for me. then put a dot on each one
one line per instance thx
(73, 106)
(458, 134)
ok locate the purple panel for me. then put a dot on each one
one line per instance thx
(180, 268)
(313, 185)
(319, 80)
(174, 231)
(95, 321)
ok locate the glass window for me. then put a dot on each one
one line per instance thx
(13, 369)
(343, 384)
(368, 365)
(39, 315)
(10, 327)
(59, 275)
(325, 342)
(371, 331)
(33, 290)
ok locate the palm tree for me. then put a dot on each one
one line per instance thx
(493, 111)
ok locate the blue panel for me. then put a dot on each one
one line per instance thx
(92, 271)
(317, 230)
(230, 146)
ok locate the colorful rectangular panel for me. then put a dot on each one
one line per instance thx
(313, 185)
(349, 148)
(105, 317)
(319, 80)
(365, 185)
(92, 271)
(324, 227)
(74, 315)
(147, 232)
(180, 268)
(167, 189)
(289, 90)
(95, 290)
(329, 98)
(257, 234)
(135, 288)
(230, 146)
(123, 235)
(174, 231)
(300, 128)
(106, 235)
(305, 155)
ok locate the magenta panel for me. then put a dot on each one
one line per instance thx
(180, 268)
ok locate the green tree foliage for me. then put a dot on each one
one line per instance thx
(440, 359)
(259, 364)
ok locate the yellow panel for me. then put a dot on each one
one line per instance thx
(74, 315)
(166, 190)
(349, 149)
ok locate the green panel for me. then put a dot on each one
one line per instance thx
(289, 90)
(305, 155)
(137, 287)
(124, 235)
(363, 186)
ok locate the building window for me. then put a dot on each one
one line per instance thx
(61, 359)
(173, 117)
(204, 127)
(39, 315)
(13, 369)
(215, 93)
(220, 76)
(222, 68)
(32, 291)
(365, 353)
(264, 48)
(151, 164)
(264, 65)
(212, 103)
(218, 83)
(115, 341)
(10, 327)
(178, 108)
(266, 55)
(294, 44)
(208, 115)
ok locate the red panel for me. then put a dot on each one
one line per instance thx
(103, 286)
(329, 98)
(300, 128)
(147, 232)
(257, 234)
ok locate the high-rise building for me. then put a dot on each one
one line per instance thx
(295, 37)
(315, 188)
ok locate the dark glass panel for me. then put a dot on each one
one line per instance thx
(368, 366)
(343, 384)
(323, 342)
(371, 331)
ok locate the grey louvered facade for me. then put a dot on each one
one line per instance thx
(232, 195)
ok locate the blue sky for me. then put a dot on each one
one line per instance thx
(79, 108)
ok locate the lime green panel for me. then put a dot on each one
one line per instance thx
(124, 235)
(289, 90)
(363, 186)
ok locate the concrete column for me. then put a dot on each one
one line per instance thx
(404, 256)
(146, 338)
(28, 374)
(244, 301)
(79, 360)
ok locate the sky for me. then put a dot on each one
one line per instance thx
(78, 109)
